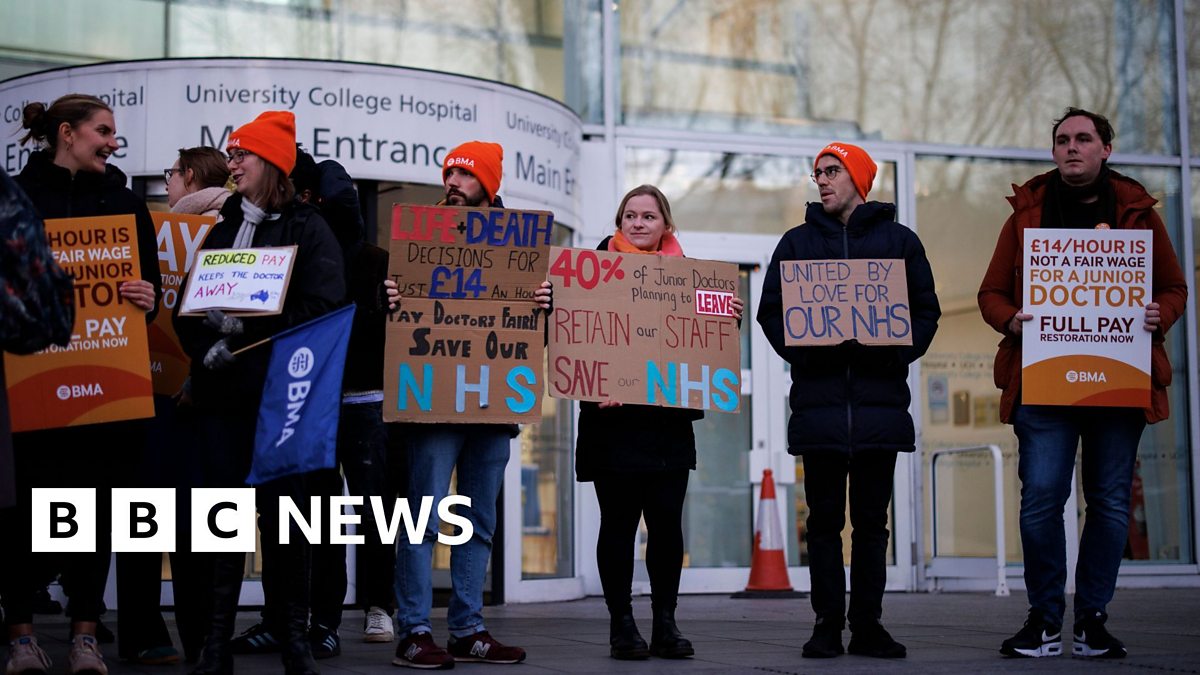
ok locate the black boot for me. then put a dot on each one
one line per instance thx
(826, 641)
(625, 642)
(297, 652)
(665, 639)
(217, 659)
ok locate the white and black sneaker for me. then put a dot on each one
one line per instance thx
(1093, 640)
(1036, 639)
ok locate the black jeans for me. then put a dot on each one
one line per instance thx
(870, 475)
(624, 498)
(92, 456)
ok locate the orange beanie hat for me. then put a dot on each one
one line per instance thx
(483, 160)
(272, 136)
(858, 164)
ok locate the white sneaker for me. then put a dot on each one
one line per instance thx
(85, 657)
(378, 626)
(25, 656)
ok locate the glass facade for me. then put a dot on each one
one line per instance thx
(722, 104)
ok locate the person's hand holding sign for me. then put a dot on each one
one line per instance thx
(1015, 324)
(544, 295)
(392, 291)
(1153, 318)
(139, 292)
(735, 308)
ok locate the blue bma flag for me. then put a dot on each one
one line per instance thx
(298, 419)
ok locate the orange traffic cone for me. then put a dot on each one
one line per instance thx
(768, 563)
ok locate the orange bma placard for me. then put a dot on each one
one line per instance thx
(103, 375)
(179, 237)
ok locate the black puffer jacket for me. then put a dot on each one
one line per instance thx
(57, 194)
(849, 398)
(633, 438)
(317, 287)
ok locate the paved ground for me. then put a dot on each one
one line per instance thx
(945, 633)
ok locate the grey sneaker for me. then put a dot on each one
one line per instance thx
(377, 626)
(85, 657)
(25, 657)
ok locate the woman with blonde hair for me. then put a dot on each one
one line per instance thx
(639, 458)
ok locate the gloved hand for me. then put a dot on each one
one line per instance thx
(219, 356)
(222, 322)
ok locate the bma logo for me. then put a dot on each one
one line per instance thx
(460, 161)
(1074, 376)
(839, 150)
(300, 364)
(65, 392)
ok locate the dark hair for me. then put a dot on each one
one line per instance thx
(663, 205)
(305, 175)
(1103, 127)
(43, 123)
(208, 166)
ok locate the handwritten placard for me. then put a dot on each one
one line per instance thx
(826, 302)
(246, 281)
(1087, 291)
(103, 375)
(467, 342)
(649, 330)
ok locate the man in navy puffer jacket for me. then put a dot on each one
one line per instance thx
(850, 402)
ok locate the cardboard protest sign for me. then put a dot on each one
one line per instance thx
(1087, 291)
(826, 302)
(650, 330)
(103, 375)
(466, 344)
(179, 237)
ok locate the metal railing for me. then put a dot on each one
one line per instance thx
(945, 567)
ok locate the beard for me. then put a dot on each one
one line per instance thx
(455, 197)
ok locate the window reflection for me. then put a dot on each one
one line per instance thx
(989, 72)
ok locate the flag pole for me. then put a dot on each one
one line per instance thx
(253, 345)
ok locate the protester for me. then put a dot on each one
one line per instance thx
(1081, 193)
(471, 176)
(226, 387)
(196, 182)
(361, 445)
(850, 402)
(639, 458)
(69, 177)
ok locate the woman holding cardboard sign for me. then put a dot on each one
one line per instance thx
(228, 371)
(639, 457)
(68, 176)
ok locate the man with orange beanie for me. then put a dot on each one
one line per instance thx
(850, 402)
(471, 176)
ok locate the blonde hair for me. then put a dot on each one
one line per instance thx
(663, 205)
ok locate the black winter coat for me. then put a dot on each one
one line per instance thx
(849, 398)
(317, 287)
(57, 194)
(633, 438)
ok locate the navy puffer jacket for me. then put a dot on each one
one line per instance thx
(850, 398)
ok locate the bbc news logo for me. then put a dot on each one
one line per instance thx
(223, 520)
(66, 392)
(1085, 376)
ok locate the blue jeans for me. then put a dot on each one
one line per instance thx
(480, 453)
(1048, 437)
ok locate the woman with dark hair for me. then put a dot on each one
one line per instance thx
(639, 457)
(226, 387)
(196, 182)
(69, 176)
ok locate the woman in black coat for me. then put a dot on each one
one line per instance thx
(639, 457)
(70, 177)
(225, 388)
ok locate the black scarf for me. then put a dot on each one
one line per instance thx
(1064, 205)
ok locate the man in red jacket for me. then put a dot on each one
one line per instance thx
(1081, 193)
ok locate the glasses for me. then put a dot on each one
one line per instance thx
(167, 173)
(238, 156)
(831, 173)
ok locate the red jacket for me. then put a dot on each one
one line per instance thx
(1000, 292)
